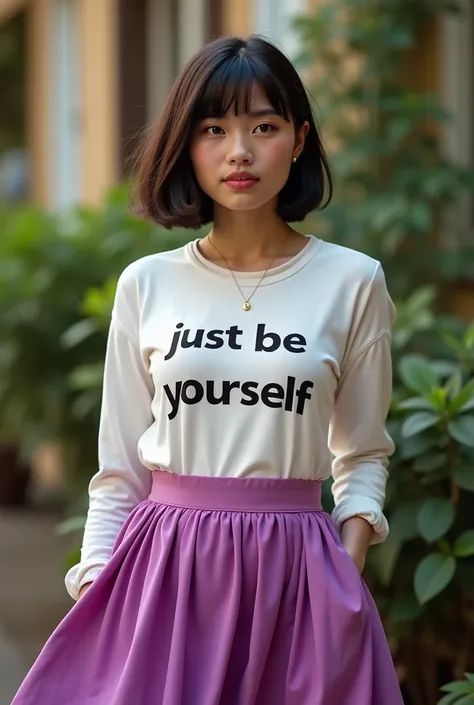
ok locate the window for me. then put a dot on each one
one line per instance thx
(274, 18)
(458, 97)
(66, 96)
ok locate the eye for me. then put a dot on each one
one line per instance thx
(213, 130)
(265, 128)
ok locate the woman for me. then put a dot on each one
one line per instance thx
(238, 369)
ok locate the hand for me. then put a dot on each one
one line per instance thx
(84, 589)
(356, 535)
(359, 558)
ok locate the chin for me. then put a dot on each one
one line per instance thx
(244, 202)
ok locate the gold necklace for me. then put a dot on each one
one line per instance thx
(246, 305)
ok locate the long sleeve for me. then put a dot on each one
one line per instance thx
(122, 481)
(358, 438)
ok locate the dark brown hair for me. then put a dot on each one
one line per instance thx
(218, 78)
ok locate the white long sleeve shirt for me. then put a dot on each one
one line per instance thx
(295, 387)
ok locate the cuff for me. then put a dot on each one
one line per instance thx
(368, 509)
(79, 575)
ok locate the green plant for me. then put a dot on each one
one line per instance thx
(394, 186)
(459, 692)
(48, 342)
(423, 578)
(393, 180)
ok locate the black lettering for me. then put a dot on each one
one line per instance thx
(233, 332)
(227, 387)
(261, 336)
(302, 394)
(295, 339)
(213, 337)
(174, 400)
(273, 395)
(174, 342)
(290, 393)
(198, 392)
(247, 390)
(196, 343)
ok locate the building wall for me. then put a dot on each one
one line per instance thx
(97, 118)
(99, 64)
(39, 97)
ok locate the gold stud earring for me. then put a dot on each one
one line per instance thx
(294, 159)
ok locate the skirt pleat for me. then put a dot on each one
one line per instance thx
(246, 598)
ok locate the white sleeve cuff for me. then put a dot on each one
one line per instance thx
(368, 509)
(79, 575)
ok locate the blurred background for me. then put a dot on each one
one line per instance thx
(393, 89)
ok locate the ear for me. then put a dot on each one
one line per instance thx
(300, 138)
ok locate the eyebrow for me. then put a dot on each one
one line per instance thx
(262, 113)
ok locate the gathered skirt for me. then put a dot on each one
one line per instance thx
(221, 592)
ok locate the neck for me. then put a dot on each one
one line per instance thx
(249, 236)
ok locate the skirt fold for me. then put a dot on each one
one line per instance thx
(221, 592)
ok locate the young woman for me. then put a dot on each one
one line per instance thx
(239, 368)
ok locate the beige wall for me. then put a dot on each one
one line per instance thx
(99, 118)
(38, 97)
(236, 17)
(99, 68)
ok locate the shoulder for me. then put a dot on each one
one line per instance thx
(151, 267)
(357, 283)
(350, 267)
(143, 281)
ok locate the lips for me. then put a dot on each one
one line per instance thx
(241, 176)
(240, 180)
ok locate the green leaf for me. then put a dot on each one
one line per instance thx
(435, 518)
(403, 521)
(414, 446)
(416, 423)
(454, 384)
(470, 676)
(462, 430)
(469, 337)
(430, 462)
(449, 699)
(464, 545)
(385, 559)
(416, 374)
(463, 397)
(417, 403)
(467, 700)
(438, 398)
(459, 687)
(464, 477)
(433, 575)
(78, 332)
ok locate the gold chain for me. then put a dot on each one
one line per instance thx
(246, 305)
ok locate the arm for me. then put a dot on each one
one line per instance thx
(122, 481)
(358, 439)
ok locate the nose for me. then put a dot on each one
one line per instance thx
(239, 152)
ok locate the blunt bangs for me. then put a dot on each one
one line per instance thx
(230, 86)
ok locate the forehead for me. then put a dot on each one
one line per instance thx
(240, 95)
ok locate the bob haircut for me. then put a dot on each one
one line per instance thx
(220, 77)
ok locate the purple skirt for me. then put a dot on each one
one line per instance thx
(221, 592)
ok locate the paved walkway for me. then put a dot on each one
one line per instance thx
(33, 598)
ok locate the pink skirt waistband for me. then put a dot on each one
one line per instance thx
(236, 494)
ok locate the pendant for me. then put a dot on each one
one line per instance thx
(246, 306)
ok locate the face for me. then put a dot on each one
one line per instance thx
(243, 161)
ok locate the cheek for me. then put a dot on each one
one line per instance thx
(279, 154)
(203, 156)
